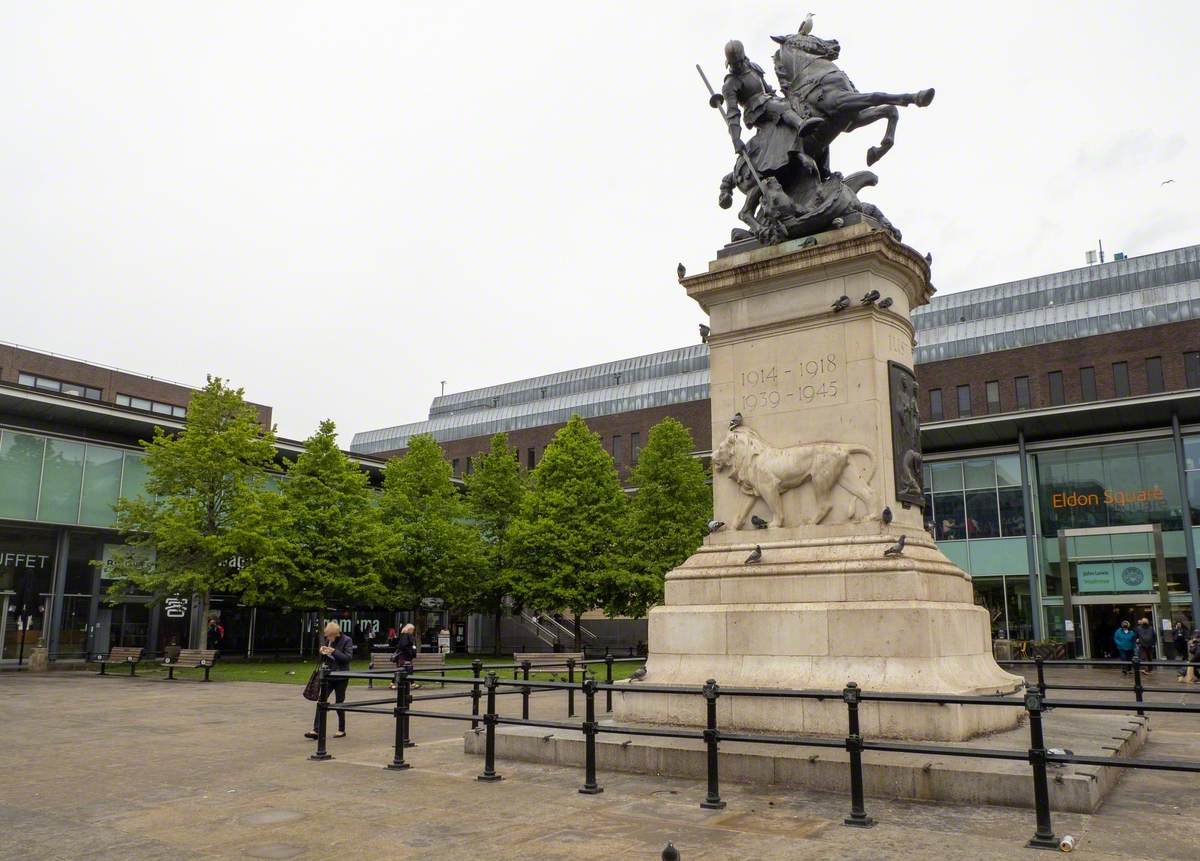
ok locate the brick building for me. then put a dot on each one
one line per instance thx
(1077, 385)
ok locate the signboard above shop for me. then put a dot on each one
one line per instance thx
(1128, 576)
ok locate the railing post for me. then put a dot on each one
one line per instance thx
(476, 670)
(401, 713)
(608, 679)
(1041, 674)
(525, 691)
(712, 801)
(489, 721)
(590, 787)
(571, 687)
(854, 745)
(1138, 690)
(322, 716)
(1043, 838)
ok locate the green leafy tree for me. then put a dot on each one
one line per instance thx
(331, 549)
(495, 490)
(562, 546)
(667, 520)
(206, 505)
(433, 549)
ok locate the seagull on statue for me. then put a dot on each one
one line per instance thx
(681, 271)
(715, 525)
(807, 25)
(841, 304)
(884, 304)
(755, 557)
(736, 421)
(758, 522)
(638, 674)
(896, 549)
(871, 298)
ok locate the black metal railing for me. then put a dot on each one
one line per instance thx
(1034, 702)
(1134, 667)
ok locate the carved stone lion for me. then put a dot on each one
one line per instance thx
(765, 472)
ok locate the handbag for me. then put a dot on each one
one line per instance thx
(312, 689)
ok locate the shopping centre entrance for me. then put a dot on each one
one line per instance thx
(1100, 622)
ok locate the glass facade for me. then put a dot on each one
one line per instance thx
(974, 509)
(52, 480)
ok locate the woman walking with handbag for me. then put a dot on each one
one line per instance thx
(406, 649)
(336, 652)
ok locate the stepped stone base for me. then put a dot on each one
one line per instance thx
(816, 614)
(1073, 789)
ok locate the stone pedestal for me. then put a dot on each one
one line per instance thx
(827, 454)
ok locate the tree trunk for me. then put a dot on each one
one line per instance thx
(496, 629)
(578, 631)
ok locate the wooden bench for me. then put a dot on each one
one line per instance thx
(556, 660)
(191, 659)
(127, 655)
(424, 662)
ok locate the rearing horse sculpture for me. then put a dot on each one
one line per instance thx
(816, 87)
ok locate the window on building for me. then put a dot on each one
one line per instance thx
(935, 405)
(1121, 379)
(455, 466)
(1191, 370)
(964, 401)
(1021, 389)
(976, 498)
(635, 446)
(616, 448)
(49, 384)
(151, 406)
(531, 458)
(993, 396)
(468, 466)
(1154, 375)
(1087, 384)
(1057, 396)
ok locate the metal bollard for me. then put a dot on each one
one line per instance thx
(476, 669)
(712, 801)
(1043, 838)
(1138, 690)
(571, 689)
(1041, 675)
(590, 787)
(322, 717)
(401, 713)
(858, 813)
(489, 721)
(608, 679)
(525, 691)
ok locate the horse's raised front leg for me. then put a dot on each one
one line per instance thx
(871, 115)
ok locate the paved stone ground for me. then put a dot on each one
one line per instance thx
(116, 768)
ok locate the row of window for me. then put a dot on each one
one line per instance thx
(49, 384)
(1057, 394)
(616, 449)
(151, 406)
(977, 498)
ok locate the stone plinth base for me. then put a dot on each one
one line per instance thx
(1073, 789)
(816, 614)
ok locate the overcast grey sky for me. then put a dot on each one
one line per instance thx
(337, 205)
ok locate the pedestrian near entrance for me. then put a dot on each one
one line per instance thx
(406, 649)
(1146, 640)
(336, 652)
(1125, 640)
(1180, 635)
(216, 633)
(1192, 673)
